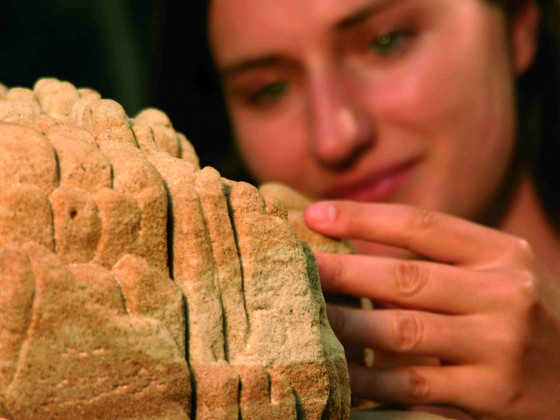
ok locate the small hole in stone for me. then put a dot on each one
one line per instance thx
(73, 213)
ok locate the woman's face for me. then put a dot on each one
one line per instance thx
(408, 101)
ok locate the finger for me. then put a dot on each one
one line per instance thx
(409, 283)
(434, 235)
(412, 385)
(408, 332)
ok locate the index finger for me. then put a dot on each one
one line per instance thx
(409, 283)
(437, 236)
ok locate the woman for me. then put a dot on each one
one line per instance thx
(407, 111)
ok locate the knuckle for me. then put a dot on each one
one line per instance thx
(525, 292)
(410, 277)
(524, 247)
(528, 289)
(422, 219)
(522, 251)
(514, 344)
(418, 387)
(408, 332)
(514, 394)
(337, 273)
(522, 306)
(509, 390)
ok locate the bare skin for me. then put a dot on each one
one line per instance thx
(407, 108)
(483, 304)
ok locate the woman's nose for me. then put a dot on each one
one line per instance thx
(340, 132)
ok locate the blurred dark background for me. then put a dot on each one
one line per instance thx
(138, 52)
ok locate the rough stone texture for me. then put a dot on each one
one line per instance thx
(296, 203)
(133, 284)
(3, 91)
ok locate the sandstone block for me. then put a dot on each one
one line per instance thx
(3, 91)
(165, 136)
(135, 285)
(56, 97)
(27, 158)
(77, 224)
(26, 215)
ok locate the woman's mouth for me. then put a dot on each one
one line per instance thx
(381, 186)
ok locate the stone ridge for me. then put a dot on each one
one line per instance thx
(134, 284)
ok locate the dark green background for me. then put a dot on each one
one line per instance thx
(139, 52)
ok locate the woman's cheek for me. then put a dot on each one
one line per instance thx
(274, 149)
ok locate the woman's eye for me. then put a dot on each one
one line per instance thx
(271, 92)
(387, 43)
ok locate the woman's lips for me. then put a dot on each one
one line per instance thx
(379, 187)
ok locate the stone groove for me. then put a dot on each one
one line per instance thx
(159, 289)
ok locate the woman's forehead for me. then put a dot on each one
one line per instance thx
(272, 10)
(241, 26)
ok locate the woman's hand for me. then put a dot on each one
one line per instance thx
(483, 304)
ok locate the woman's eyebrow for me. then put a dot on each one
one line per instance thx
(248, 64)
(353, 19)
(364, 13)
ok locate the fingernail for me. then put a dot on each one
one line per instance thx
(321, 213)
